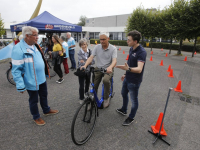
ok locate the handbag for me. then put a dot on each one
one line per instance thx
(80, 73)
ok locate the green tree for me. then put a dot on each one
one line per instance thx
(82, 20)
(194, 21)
(137, 21)
(180, 16)
(2, 30)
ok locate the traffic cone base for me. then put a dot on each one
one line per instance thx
(161, 63)
(169, 68)
(178, 87)
(171, 74)
(156, 128)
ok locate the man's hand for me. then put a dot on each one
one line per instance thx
(49, 52)
(123, 67)
(109, 70)
(82, 67)
(22, 92)
(122, 78)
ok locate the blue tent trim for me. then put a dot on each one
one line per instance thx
(46, 22)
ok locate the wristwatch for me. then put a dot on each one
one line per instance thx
(129, 69)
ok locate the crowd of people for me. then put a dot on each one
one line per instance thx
(28, 60)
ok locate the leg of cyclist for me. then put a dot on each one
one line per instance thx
(106, 82)
(97, 80)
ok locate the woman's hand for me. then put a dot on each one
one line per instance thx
(49, 52)
(81, 61)
(60, 52)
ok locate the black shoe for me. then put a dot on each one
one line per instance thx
(60, 81)
(127, 122)
(121, 112)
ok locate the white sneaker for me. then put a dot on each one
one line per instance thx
(60, 81)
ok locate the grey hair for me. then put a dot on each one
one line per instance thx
(28, 30)
(104, 33)
(69, 33)
(63, 38)
(20, 37)
(82, 41)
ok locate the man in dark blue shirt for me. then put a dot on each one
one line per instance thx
(133, 76)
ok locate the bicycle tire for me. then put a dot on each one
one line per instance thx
(83, 123)
(51, 71)
(10, 77)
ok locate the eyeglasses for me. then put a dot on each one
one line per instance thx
(36, 35)
(102, 39)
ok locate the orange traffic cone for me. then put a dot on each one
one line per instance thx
(178, 87)
(161, 49)
(195, 52)
(151, 52)
(91, 44)
(114, 45)
(120, 49)
(171, 74)
(156, 128)
(123, 52)
(161, 63)
(127, 57)
(151, 59)
(185, 58)
(166, 55)
(169, 68)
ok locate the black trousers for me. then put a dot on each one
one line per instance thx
(84, 83)
(57, 69)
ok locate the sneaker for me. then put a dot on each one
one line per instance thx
(52, 112)
(57, 80)
(81, 102)
(39, 122)
(121, 111)
(106, 103)
(60, 81)
(127, 122)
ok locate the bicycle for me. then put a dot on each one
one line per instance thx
(84, 120)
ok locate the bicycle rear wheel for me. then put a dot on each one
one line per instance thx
(84, 122)
(10, 77)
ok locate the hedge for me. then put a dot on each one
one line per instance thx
(185, 47)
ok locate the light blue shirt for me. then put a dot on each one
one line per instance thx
(71, 42)
(38, 63)
(65, 46)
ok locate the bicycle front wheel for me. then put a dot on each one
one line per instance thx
(10, 77)
(84, 122)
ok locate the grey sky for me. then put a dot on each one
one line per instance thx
(70, 11)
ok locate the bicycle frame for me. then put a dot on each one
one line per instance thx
(100, 101)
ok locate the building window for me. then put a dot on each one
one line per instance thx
(119, 35)
(115, 36)
(96, 35)
(124, 37)
(111, 36)
(91, 35)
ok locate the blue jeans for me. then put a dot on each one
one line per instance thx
(72, 59)
(133, 90)
(33, 100)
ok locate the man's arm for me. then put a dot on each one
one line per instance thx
(137, 69)
(113, 64)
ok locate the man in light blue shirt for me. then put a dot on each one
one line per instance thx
(65, 46)
(28, 60)
(71, 45)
